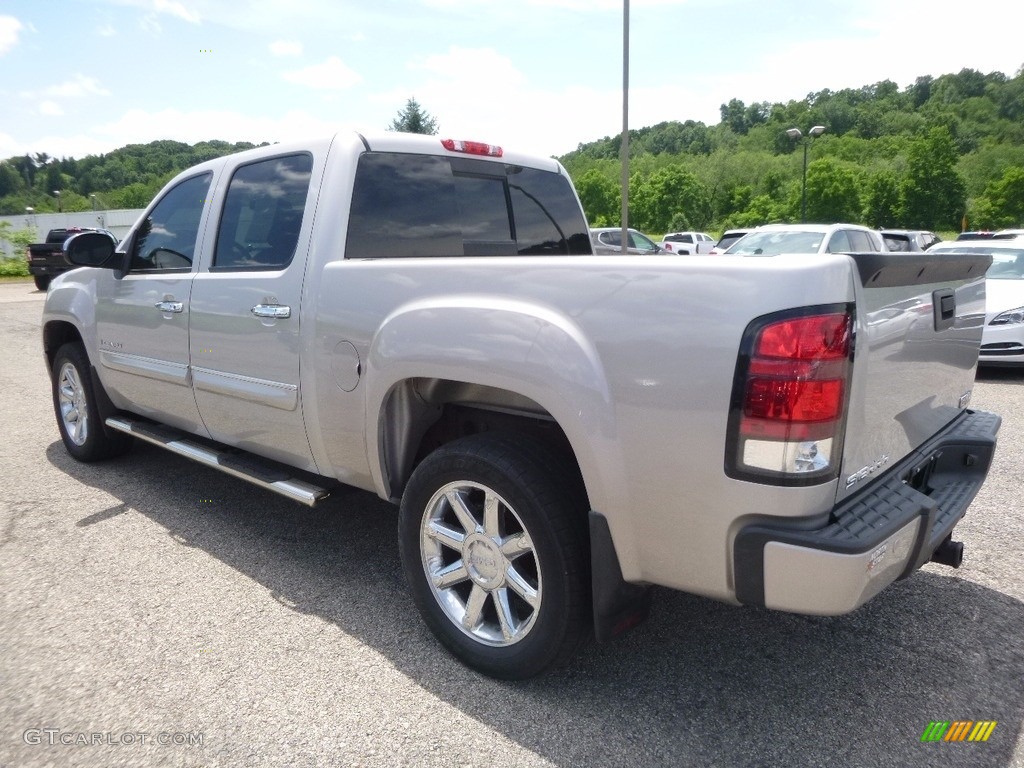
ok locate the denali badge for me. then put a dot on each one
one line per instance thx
(867, 471)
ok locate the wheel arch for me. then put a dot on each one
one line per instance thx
(523, 360)
(57, 333)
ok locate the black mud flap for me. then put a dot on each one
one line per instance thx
(618, 605)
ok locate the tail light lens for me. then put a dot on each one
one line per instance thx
(472, 147)
(788, 411)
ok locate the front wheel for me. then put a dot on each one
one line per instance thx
(493, 544)
(42, 281)
(74, 403)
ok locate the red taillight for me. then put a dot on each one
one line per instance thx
(792, 400)
(472, 148)
(820, 337)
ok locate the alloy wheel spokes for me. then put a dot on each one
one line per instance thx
(481, 563)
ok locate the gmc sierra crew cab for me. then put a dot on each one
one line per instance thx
(425, 319)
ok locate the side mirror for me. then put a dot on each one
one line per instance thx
(91, 249)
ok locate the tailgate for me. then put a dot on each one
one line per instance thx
(919, 323)
(48, 255)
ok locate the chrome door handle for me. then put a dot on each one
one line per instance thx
(275, 311)
(170, 306)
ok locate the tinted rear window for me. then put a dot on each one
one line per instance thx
(424, 205)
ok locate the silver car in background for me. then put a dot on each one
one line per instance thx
(608, 240)
(775, 239)
(1002, 339)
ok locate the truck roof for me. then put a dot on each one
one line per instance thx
(389, 141)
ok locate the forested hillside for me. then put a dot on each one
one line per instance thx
(922, 156)
(125, 178)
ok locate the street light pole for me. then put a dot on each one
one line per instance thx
(624, 149)
(796, 133)
(60, 208)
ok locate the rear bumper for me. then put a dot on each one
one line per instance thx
(1002, 345)
(47, 269)
(882, 533)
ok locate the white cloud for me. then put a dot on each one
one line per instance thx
(332, 74)
(9, 28)
(78, 86)
(150, 24)
(286, 48)
(50, 109)
(177, 10)
(107, 30)
(471, 68)
(8, 146)
(141, 126)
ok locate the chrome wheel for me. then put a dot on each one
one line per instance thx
(71, 397)
(480, 563)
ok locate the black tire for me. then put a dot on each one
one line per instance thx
(522, 572)
(78, 417)
(42, 281)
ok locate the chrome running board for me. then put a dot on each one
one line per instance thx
(247, 466)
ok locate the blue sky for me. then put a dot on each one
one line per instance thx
(82, 77)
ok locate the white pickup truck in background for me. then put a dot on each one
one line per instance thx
(427, 320)
(687, 243)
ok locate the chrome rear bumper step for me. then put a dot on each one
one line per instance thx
(247, 466)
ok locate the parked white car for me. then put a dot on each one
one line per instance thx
(1002, 339)
(773, 239)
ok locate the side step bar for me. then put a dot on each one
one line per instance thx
(246, 466)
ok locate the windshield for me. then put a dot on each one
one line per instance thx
(778, 241)
(1007, 263)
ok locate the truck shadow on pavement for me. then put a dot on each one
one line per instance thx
(701, 683)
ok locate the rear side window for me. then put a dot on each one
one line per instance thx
(840, 242)
(423, 205)
(862, 242)
(259, 226)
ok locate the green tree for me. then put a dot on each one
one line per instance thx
(670, 198)
(135, 195)
(10, 179)
(833, 193)
(600, 197)
(933, 195)
(414, 119)
(882, 200)
(1002, 205)
(763, 209)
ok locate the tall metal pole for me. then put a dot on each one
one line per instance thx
(624, 150)
(803, 202)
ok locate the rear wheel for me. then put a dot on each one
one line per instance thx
(493, 543)
(74, 402)
(42, 281)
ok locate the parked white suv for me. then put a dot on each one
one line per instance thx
(773, 239)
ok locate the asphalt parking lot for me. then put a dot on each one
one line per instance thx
(154, 612)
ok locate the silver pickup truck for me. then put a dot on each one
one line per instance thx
(425, 319)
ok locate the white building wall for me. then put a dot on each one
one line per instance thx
(117, 221)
